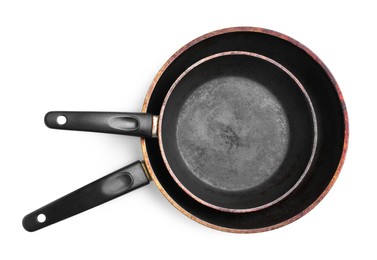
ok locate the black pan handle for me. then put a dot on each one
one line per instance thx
(100, 191)
(136, 124)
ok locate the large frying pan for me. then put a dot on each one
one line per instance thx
(252, 131)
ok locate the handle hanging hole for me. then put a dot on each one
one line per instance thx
(61, 120)
(41, 218)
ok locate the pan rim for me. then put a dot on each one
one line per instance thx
(308, 101)
(328, 74)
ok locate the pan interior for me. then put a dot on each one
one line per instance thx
(237, 132)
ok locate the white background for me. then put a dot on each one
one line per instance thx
(103, 55)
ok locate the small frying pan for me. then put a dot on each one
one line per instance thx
(237, 132)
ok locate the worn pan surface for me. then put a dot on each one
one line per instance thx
(302, 153)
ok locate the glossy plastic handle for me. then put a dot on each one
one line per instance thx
(136, 124)
(100, 191)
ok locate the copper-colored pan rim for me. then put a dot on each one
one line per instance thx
(298, 83)
(299, 45)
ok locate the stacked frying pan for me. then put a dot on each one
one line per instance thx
(243, 130)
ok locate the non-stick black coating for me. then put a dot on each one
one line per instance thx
(237, 131)
(329, 112)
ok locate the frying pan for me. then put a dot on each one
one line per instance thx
(248, 117)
